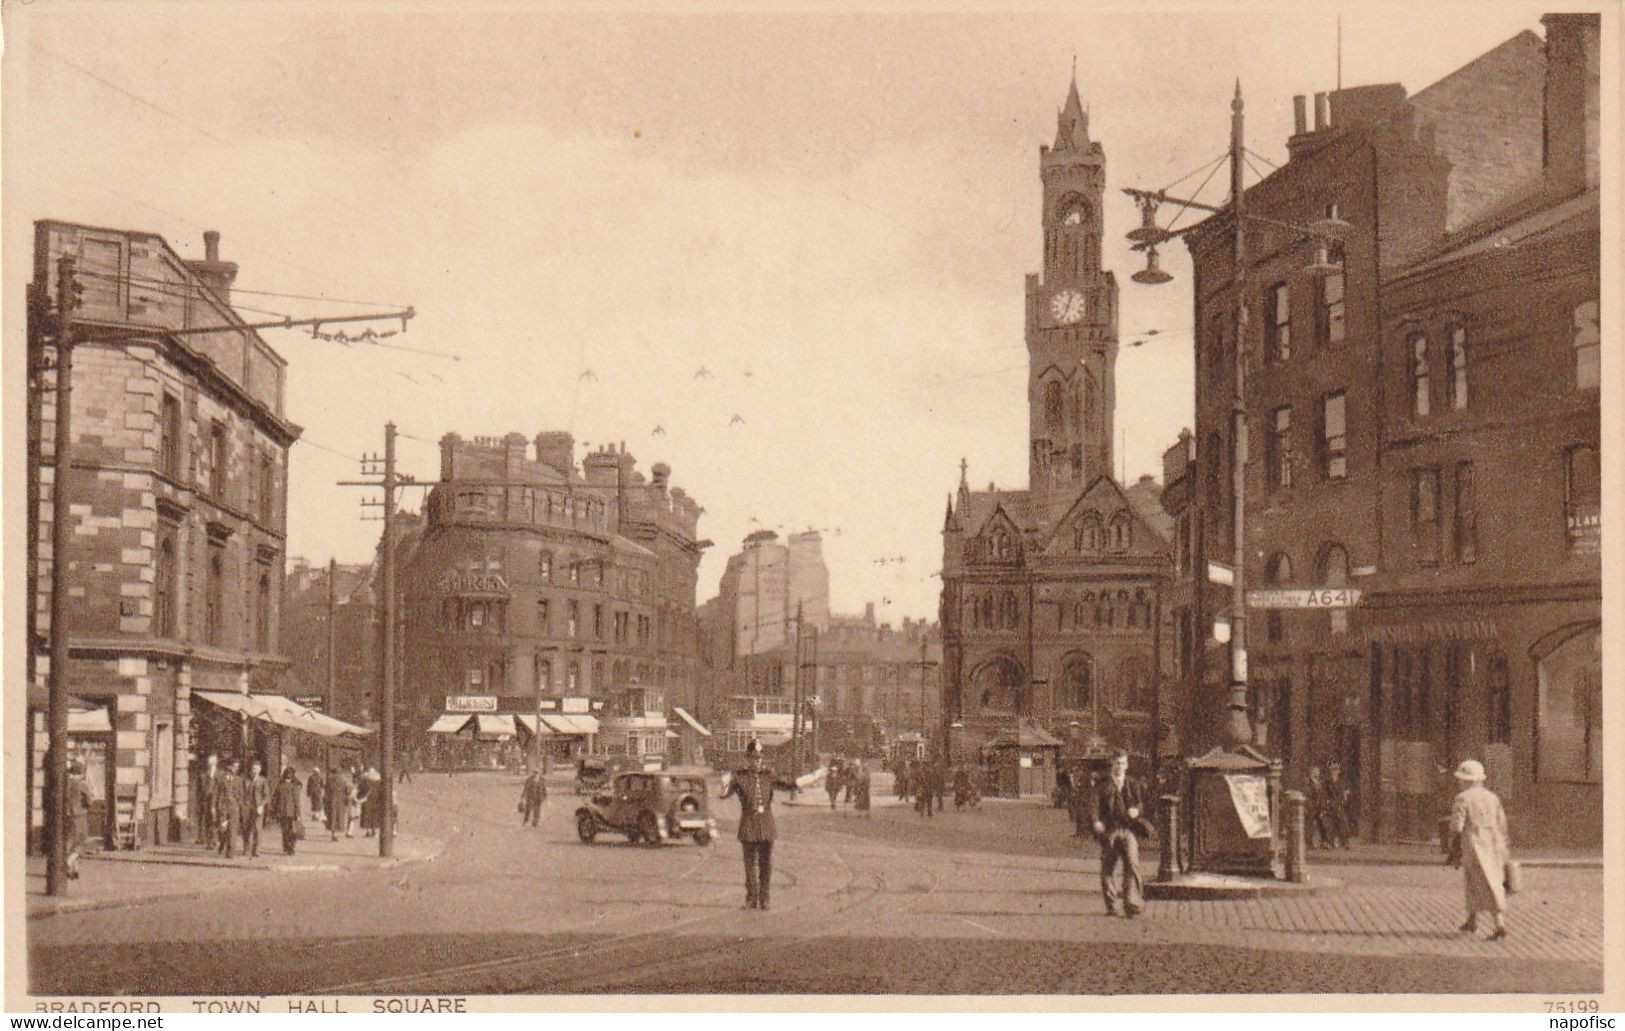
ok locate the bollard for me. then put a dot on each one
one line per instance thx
(1169, 811)
(1296, 839)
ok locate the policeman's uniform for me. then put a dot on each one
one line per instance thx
(756, 828)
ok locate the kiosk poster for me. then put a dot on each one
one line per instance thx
(1250, 794)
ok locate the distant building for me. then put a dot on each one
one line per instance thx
(1426, 431)
(538, 585)
(305, 620)
(1050, 601)
(178, 501)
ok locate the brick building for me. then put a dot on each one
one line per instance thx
(534, 581)
(1050, 600)
(1374, 404)
(178, 501)
(355, 647)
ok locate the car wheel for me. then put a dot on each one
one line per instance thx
(586, 827)
(702, 837)
(648, 829)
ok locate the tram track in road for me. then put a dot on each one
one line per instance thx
(492, 974)
(630, 974)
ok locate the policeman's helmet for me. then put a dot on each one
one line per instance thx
(754, 748)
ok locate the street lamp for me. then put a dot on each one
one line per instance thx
(1325, 232)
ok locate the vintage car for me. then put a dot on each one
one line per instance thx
(649, 807)
(593, 772)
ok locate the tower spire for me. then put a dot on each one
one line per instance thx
(1072, 126)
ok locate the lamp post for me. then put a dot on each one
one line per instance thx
(1238, 729)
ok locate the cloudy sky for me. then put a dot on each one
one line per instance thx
(830, 210)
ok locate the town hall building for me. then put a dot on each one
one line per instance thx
(1050, 595)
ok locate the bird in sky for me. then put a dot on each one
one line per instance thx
(747, 374)
(704, 373)
(737, 420)
(658, 431)
(587, 374)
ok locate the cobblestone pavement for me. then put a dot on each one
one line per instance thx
(1000, 900)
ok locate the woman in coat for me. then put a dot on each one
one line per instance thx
(1480, 826)
(370, 794)
(78, 815)
(316, 791)
(340, 793)
(285, 807)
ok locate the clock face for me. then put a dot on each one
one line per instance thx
(1067, 306)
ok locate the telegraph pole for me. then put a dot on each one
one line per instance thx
(1238, 726)
(56, 759)
(332, 634)
(795, 720)
(390, 481)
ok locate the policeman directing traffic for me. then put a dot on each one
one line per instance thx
(754, 785)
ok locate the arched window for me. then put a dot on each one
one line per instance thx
(999, 685)
(1053, 414)
(1012, 614)
(1334, 572)
(987, 612)
(1078, 682)
(1458, 369)
(1122, 532)
(163, 609)
(1279, 572)
(1420, 399)
(975, 614)
(1086, 535)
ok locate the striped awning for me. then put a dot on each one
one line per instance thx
(496, 726)
(284, 712)
(450, 723)
(573, 725)
(683, 715)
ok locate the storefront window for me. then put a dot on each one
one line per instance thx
(1569, 717)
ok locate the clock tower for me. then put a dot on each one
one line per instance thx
(1071, 317)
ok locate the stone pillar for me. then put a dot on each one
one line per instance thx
(1297, 844)
(1168, 829)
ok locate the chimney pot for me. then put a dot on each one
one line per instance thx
(1322, 112)
(211, 245)
(1300, 117)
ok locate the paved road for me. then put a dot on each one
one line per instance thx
(998, 900)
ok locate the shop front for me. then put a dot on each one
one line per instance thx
(1517, 686)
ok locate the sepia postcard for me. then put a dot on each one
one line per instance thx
(526, 506)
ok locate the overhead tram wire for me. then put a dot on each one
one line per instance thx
(1267, 161)
(148, 281)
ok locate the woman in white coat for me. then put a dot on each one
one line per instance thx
(1481, 828)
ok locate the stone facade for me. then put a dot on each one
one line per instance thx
(178, 500)
(1050, 604)
(533, 578)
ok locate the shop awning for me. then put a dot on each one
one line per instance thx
(683, 715)
(496, 726)
(284, 712)
(532, 724)
(89, 721)
(575, 726)
(450, 723)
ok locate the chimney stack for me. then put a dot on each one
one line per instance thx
(1572, 101)
(1322, 112)
(217, 275)
(1300, 116)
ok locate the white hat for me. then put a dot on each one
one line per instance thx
(1470, 769)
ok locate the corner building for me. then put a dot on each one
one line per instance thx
(535, 581)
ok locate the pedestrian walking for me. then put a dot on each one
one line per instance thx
(1341, 797)
(1118, 828)
(1322, 810)
(531, 798)
(286, 808)
(208, 786)
(754, 787)
(256, 798)
(370, 793)
(316, 791)
(76, 816)
(228, 809)
(865, 782)
(939, 786)
(832, 783)
(1479, 824)
(340, 793)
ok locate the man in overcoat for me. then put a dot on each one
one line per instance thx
(256, 796)
(1118, 827)
(229, 797)
(208, 785)
(754, 787)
